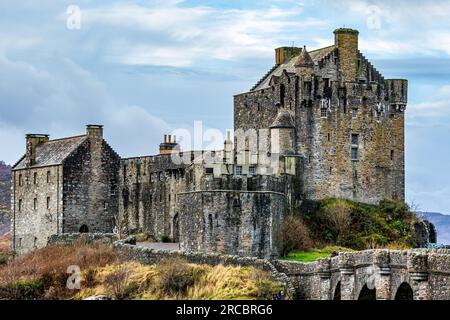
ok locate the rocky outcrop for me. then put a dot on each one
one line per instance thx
(425, 233)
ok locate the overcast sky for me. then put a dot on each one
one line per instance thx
(143, 68)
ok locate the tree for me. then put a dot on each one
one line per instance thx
(294, 235)
(338, 216)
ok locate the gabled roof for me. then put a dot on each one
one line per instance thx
(53, 152)
(304, 59)
(289, 66)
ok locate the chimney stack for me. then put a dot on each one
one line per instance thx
(284, 54)
(346, 41)
(94, 131)
(32, 141)
(169, 146)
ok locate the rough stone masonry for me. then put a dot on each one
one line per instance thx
(323, 123)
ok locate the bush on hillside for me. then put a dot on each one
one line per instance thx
(360, 226)
(294, 235)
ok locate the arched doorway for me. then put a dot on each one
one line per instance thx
(176, 228)
(84, 229)
(337, 292)
(404, 292)
(367, 294)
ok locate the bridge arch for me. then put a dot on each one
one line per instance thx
(337, 292)
(404, 292)
(367, 294)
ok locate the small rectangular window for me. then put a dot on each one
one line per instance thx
(48, 176)
(20, 205)
(251, 171)
(323, 112)
(239, 171)
(392, 154)
(354, 153)
(355, 139)
(35, 204)
(35, 178)
(209, 170)
(20, 180)
(331, 171)
(48, 203)
(354, 113)
(19, 242)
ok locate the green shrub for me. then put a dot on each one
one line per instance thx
(22, 290)
(165, 238)
(371, 226)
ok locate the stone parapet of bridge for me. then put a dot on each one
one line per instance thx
(419, 274)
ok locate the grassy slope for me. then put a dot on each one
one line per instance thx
(42, 275)
(315, 254)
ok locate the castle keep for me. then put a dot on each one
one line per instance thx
(323, 123)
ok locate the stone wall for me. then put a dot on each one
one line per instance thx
(205, 212)
(90, 195)
(243, 223)
(150, 256)
(36, 206)
(148, 188)
(85, 238)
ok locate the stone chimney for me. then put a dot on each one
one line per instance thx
(346, 41)
(228, 149)
(94, 131)
(169, 145)
(284, 54)
(32, 141)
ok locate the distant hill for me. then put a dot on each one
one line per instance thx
(442, 223)
(5, 197)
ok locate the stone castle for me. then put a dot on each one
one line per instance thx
(319, 124)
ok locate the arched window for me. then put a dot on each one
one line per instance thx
(404, 292)
(84, 229)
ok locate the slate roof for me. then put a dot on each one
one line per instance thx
(53, 152)
(289, 66)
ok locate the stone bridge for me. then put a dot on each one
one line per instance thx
(419, 274)
(373, 275)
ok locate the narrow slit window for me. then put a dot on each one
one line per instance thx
(354, 153)
(48, 203)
